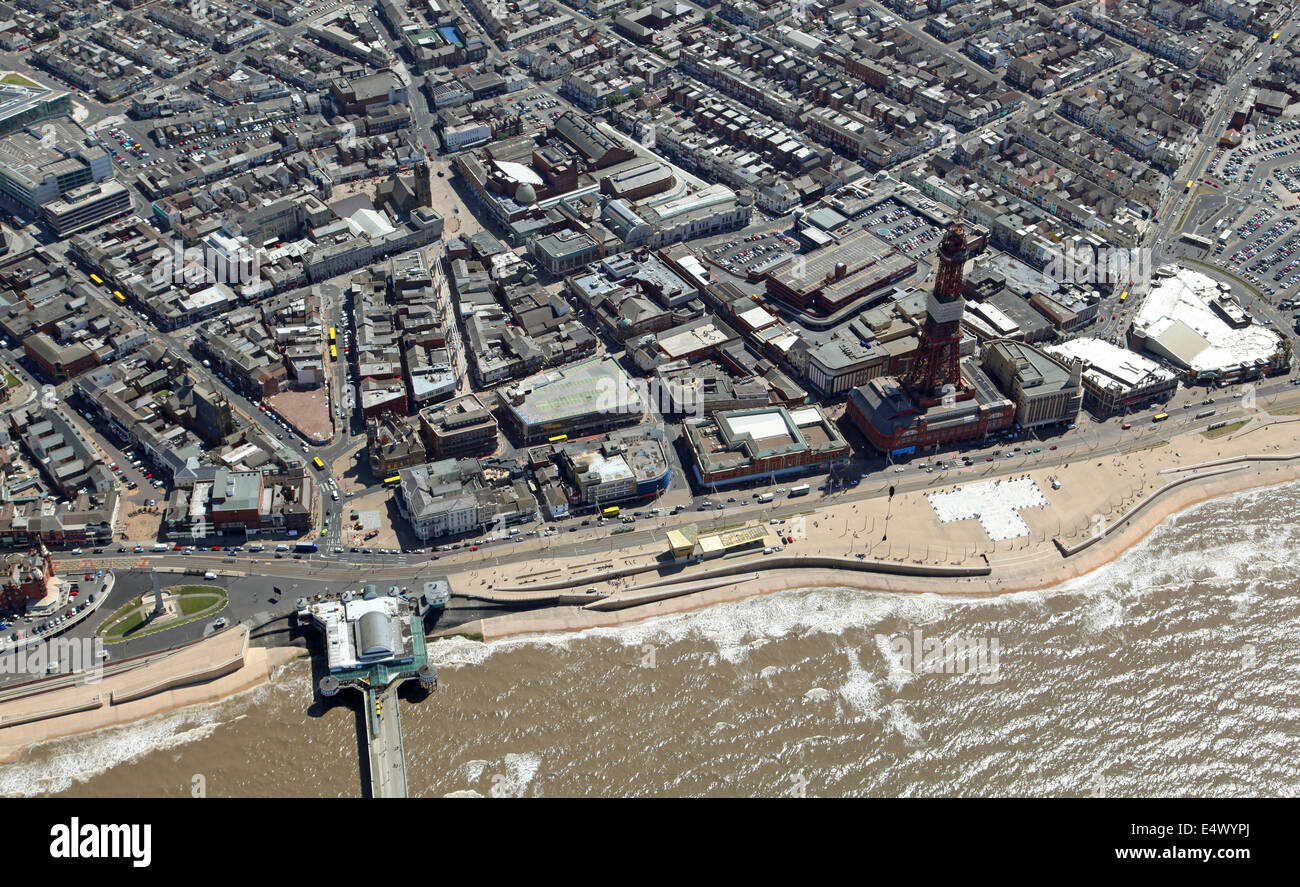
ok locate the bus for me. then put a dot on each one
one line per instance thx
(393, 481)
(320, 466)
(1188, 187)
(334, 352)
(331, 335)
(1205, 414)
(1159, 417)
(801, 490)
(1123, 295)
(1196, 240)
(121, 299)
(96, 278)
(558, 438)
(611, 511)
(306, 547)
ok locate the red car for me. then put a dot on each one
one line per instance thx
(1052, 447)
(215, 548)
(90, 576)
(1126, 426)
(74, 593)
(473, 548)
(176, 548)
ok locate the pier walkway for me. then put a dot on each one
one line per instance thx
(384, 743)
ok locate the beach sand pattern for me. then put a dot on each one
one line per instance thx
(995, 503)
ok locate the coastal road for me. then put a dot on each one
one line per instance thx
(1094, 440)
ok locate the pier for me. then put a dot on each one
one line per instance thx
(384, 743)
(374, 643)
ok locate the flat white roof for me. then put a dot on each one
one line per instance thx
(995, 317)
(1108, 365)
(759, 425)
(757, 317)
(608, 470)
(1180, 324)
(692, 340)
(806, 416)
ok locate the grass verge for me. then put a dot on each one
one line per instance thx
(1226, 429)
(131, 621)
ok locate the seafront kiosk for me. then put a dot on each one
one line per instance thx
(374, 642)
(681, 541)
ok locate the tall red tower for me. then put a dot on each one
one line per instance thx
(935, 374)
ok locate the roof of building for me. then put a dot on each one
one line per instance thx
(1107, 366)
(592, 385)
(1180, 323)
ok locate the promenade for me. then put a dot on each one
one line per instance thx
(210, 670)
(1114, 499)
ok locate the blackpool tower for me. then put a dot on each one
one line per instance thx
(935, 374)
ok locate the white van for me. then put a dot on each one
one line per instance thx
(161, 546)
(209, 575)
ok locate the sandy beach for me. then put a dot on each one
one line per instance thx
(206, 672)
(1096, 496)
